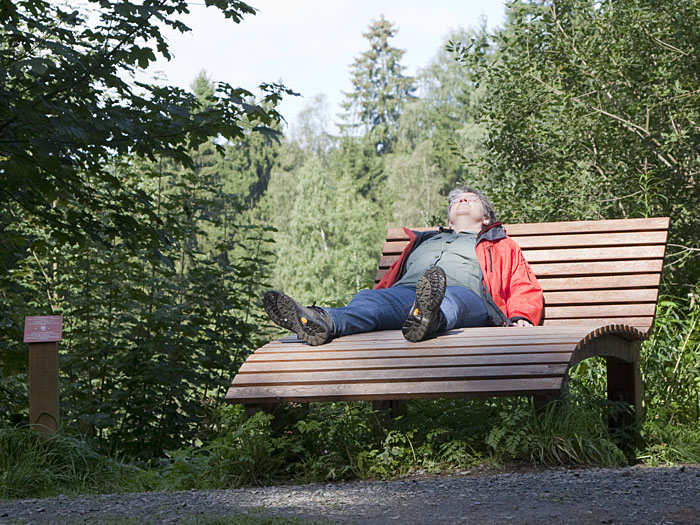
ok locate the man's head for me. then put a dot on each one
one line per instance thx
(464, 200)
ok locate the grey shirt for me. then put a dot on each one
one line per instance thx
(453, 252)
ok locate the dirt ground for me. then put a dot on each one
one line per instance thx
(634, 495)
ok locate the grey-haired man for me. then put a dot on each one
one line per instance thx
(469, 274)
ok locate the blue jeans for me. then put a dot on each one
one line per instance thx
(387, 309)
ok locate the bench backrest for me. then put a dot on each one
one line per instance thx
(592, 272)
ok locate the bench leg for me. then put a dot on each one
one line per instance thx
(389, 409)
(625, 384)
(268, 408)
(284, 414)
(541, 401)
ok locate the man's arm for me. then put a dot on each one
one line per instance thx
(525, 302)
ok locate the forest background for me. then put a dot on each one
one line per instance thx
(153, 218)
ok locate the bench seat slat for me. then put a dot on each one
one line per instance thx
(412, 390)
(513, 335)
(461, 340)
(407, 362)
(361, 353)
(400, 374)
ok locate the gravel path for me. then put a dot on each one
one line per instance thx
(635, 495)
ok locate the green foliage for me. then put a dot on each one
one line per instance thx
(152, 340)
(153, 332)
(671, 362)
(67, 110)
(243, 453)
(328, 234)
(671, 373)
(34, 465)
(592, 112)
(562, 434)
(669, 444)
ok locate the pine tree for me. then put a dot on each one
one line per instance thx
(380, 89)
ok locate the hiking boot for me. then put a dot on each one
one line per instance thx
(425, 312)
(311, 323)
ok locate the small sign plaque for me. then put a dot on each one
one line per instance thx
(43, 328)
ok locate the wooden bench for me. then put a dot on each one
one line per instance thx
(600, 281)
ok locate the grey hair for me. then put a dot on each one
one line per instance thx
(488, 208)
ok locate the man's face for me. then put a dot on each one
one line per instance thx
(468, 206)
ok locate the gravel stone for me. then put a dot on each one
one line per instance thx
(635, 495)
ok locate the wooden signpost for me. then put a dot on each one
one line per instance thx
(43, 334)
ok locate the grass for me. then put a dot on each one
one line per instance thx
(37, 465)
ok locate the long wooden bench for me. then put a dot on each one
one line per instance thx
(600, 280)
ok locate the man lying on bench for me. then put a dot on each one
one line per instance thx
(470, 274)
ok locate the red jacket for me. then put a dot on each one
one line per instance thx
(511, 289)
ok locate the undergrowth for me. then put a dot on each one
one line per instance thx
(34, 464)
(338, 441)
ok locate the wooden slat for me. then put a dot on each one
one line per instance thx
(481, 333)
(409, 362)
(413, 390)
(512, 337)
(401, 353)
(544, 228)
(549, 284)
(317, 377)
(576, 256)
(596, 268)
(610, 225)
(601, 297)
(633, 238)
(610, 310)
(460, 338)
(595, 254)
(577, 269)
(641, 321)
(397, 234)
(592, 239)
(394, 247)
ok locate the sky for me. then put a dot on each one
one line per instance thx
(309, 45)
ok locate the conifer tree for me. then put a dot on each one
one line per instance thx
(379, 89)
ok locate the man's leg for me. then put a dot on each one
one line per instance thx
(371, 310)
(424, 317)
(310, 323)
(462, 308)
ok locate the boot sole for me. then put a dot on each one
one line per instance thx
(423, 318)
(285, 312)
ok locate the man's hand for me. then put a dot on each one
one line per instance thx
(522, 322)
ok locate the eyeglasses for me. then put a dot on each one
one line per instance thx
(471, 199)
